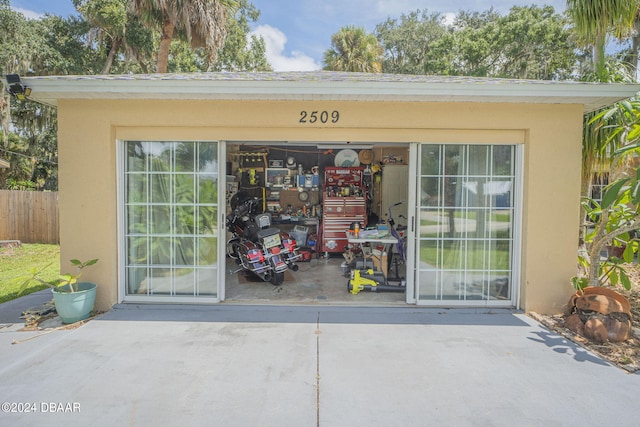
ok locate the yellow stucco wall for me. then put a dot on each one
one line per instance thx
(88, 130)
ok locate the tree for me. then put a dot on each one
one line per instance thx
(597, 144)
(24, 48)
(353, 49)
(16, 177)
(127, 46)
(536, 44)
(108, 19)
(635, 43)
(417, 43)
(110, 42)
(202, 23)
(595, 19)
(70, 52)
(474, 34)
(114, 33)
(241, 52)
(50, 45)
(612, 220)
(530, 42)
(37, 125)
(18, 44)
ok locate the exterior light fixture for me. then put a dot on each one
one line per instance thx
(16, 88)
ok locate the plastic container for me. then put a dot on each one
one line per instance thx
(345, 268)
(299, 233)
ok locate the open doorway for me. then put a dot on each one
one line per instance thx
(315, 193)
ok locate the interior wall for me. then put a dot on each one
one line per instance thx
(314, 155)
(88, 130)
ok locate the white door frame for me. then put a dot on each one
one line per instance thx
(122, 241)
(412, 228)
(413, 246)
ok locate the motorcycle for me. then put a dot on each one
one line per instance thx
(257, 247)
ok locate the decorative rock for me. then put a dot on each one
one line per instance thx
(600, 303)
(602, 328)
(600, 315)
(595, 330)
(598, 290)
(575, 324)
(619, 327)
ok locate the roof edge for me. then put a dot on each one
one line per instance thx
(327, 86)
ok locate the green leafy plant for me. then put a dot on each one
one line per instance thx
(612, 222)
(66, 279)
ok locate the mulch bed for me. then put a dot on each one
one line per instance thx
(625, 355)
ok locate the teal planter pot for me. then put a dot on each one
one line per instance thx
(75, 306)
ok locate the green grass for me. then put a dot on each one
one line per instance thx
(495, 216)
(470, 215)
(451, 258)
(424, 222)
(18, 262)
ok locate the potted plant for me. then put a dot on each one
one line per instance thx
(74, 300)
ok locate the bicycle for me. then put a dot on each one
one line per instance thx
(399, 233)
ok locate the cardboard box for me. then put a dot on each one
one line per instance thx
(375, 258)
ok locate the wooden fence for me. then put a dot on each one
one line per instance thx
(29, 216)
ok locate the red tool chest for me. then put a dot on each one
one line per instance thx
(340, 210)
(338, 214)
(343, 176)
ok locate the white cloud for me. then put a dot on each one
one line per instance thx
(275, 41)
(449, 18)
(29, 14)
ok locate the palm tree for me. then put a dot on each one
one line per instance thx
(117, 29)
(353, 49)
(203, 23)
(595, 19)
(109, 22)
(635, 43)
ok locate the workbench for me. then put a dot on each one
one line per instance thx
(372, 239)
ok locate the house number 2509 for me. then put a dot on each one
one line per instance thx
(319, 116)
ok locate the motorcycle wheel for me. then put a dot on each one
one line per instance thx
(277, 279)
(232, 250)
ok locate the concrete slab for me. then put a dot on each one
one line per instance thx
(302, 366)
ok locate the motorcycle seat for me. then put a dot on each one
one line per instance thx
(267, 232)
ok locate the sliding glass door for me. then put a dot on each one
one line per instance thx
(169, 220)
(466, 230)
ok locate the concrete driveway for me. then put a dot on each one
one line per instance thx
(239, 365)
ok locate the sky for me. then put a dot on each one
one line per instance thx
(298, 32)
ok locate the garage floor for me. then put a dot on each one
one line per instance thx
(319, 281)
